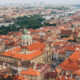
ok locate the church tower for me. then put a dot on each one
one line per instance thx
(26, 38)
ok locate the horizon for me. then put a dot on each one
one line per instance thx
(50, 2)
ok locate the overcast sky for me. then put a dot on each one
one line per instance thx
(48, 1)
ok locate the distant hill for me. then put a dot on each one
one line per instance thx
(77, 5)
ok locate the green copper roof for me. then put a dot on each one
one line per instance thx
(25, 31)
(26, 37)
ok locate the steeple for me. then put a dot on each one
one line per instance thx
(25, 31)
(26, 38)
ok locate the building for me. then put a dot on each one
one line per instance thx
(32, 74)
(26, 38)
(2, 45)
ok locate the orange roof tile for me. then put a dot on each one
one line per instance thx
(36, 45)
(70, 48)
(73, 60)
(58, 70)
(4, 36)
(31, 71)
(77, 72)
(29, 56)
(21, 78)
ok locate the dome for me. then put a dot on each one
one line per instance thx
(26, 37)
(25, 31)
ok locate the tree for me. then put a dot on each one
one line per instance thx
(33, 22)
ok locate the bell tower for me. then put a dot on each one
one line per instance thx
(26, 38)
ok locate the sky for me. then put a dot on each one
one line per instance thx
(37, 1)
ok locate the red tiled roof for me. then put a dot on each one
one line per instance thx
(77, 72)
(66, 32)
(71, 63)
(19, 77)
(31, 71)
(70, 48)
(36, 46)
(29, 56)
(4, 36)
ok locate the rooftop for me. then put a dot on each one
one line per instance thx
(31, 71)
